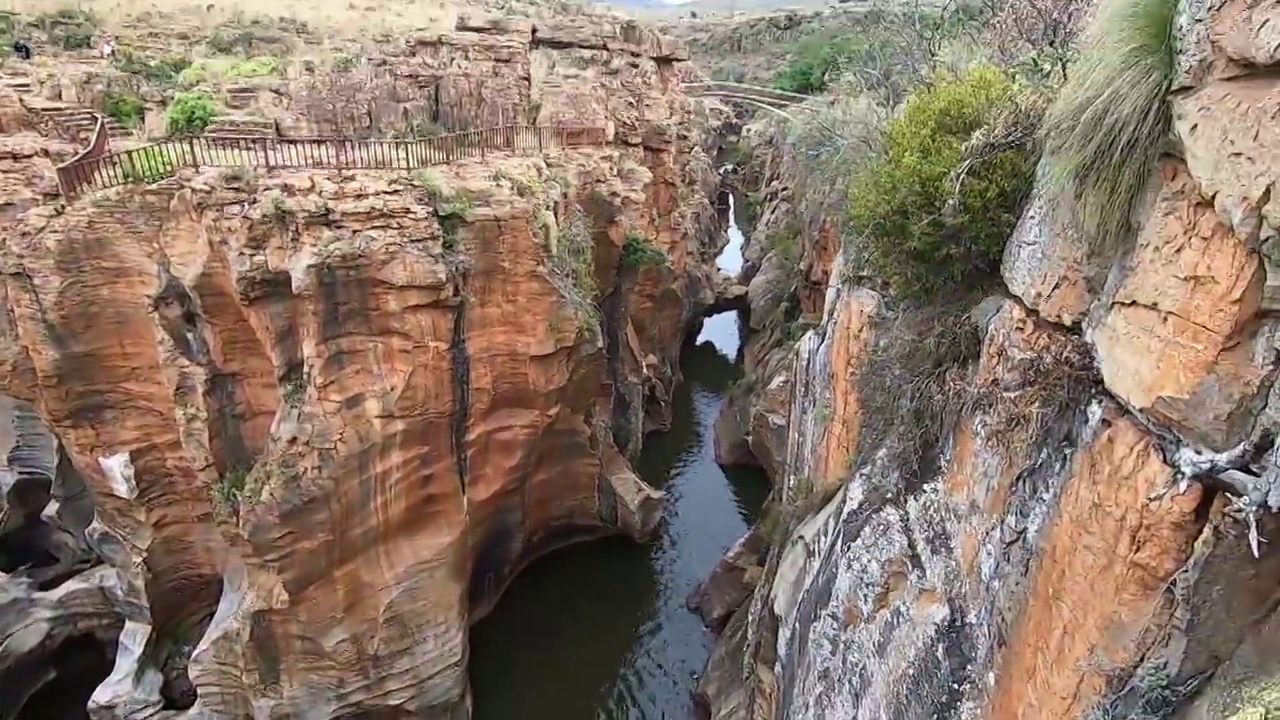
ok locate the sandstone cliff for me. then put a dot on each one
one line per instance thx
(1039, 550)
(324, 418)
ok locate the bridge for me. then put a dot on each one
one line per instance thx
(754, 95)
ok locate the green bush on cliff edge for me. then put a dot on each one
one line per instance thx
(922, 228)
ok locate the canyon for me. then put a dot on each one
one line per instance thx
(276, 439)
(305, 427)
(1081, 534)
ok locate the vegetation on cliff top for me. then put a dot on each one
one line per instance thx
(125, 108)
(1104, 133)
(924, 226)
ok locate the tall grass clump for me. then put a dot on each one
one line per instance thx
(920, 227)
(1102, 136)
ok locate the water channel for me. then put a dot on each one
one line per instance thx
(600, 631)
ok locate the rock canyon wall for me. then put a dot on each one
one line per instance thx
(1074, 540)
(306, 426)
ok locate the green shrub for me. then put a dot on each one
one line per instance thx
(77, 41)
(194, 74)
(638, 251)
(262, 66)
(190, 113)
(920, 232)
(128, 110)
(229, 490)
(814, 61)
(147, 165)
(1103, 134)
(452, 212)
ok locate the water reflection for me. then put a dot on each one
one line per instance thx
(600, 631)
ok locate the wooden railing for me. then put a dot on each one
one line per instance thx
(151, 163)
(99, 144)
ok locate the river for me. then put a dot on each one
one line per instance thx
(599, 631)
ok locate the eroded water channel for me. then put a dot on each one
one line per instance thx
(600, 631)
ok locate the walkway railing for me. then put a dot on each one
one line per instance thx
(744, 91)
(155, 162)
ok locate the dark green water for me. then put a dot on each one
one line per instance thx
(600, 631)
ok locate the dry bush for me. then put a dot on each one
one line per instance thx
(572, 266)
(919, 380)
(833, 139)
(1041, 33)
(915, 384)
(1151, 693)
(1038, 390)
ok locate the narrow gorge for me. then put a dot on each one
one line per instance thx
(309, 425)
(605, 629)
(518, 362)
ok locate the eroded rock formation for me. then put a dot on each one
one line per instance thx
(1073, 546)
(326, 417)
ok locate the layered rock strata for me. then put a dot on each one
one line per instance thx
(324, 418)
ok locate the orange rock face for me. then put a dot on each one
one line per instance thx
(358, 416)
(1179, 338)
(1100, 580)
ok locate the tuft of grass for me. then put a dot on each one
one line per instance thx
(639, 251)
(432, 183)
(1103, 134)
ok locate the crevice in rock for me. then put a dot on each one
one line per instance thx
(56, 685)
(461, 365)
(227, 422)
(180, 617)
(180, 318)
(613, 309)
